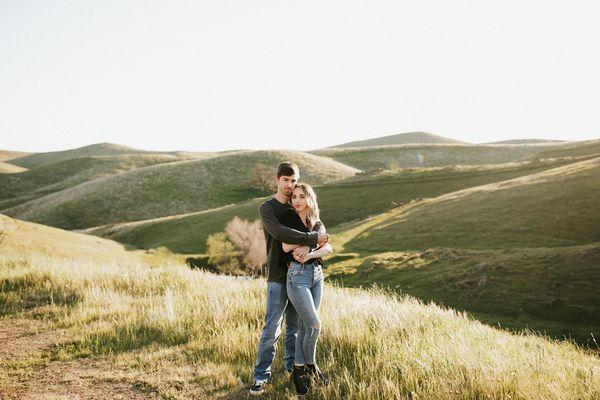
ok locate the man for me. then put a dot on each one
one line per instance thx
(278, 305)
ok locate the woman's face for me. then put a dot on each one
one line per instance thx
(299, 200)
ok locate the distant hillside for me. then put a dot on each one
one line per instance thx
(577, 149)
(7, 168)
(167, 189)
(340, 202)
(100, 149)
(401, 138)
(7, 155)
(21, 238)
(526, 141)
(543, 209)
(431, 155)
(20, 188)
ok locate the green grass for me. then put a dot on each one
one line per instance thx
(40, 181)
(578, 149)
(189, 334)
(557, 207)
(433, 155)
(549, 290)
(340, 202)
(167, 189)
(504, 250)
(182, 234)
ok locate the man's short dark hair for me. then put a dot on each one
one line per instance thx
(287, 168)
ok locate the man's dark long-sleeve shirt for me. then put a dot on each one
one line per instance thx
(272, 214)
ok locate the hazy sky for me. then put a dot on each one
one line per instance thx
(215, 75)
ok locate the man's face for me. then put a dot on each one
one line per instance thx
(286, 184)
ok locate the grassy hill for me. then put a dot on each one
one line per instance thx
(353, 198)
(168, 188)
(577, 149)
(429, 155)
(7, 155)
(98, 149)
(168, 332)
(401, 138)
(522, 252)
(7, 168)
(45, 179)
(525, 141)
(543, 209)
(21, 238)
(101, 149)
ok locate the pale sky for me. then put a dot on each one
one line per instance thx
(222, 74)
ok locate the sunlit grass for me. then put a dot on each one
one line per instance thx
(196, 334)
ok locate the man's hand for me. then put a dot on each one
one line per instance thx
(323, 238)
(300, 253)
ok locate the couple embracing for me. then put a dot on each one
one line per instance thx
(296, 242)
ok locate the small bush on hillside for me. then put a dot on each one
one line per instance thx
(240, 250)
(222, 254)
(248, 238)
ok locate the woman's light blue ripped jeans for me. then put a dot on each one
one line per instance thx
(304, 289)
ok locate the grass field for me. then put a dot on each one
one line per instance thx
(164, 331)
(429, 155)
(549, 290)
(167, 189)
(511, 252)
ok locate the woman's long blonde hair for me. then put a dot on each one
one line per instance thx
(312, 215)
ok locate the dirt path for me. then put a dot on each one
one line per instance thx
(27, 373)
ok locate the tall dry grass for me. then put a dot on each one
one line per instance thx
(194, 334)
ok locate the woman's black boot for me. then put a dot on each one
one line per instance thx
(301, 379)
(316, 373)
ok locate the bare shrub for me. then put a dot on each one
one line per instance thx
(248, 237)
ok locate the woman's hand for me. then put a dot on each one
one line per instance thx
(300, 254)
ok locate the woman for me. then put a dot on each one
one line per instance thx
(305, 285)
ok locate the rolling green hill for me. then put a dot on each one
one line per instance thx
(169, 188)
(350, 199)
(578, 149)
(522, 252)
(45, 179)
(431, 155)
(557, 207)
(23, 239)
(401, 138)
(101, 149)
(98, 149)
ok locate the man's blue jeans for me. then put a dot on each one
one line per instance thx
(278, 305)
